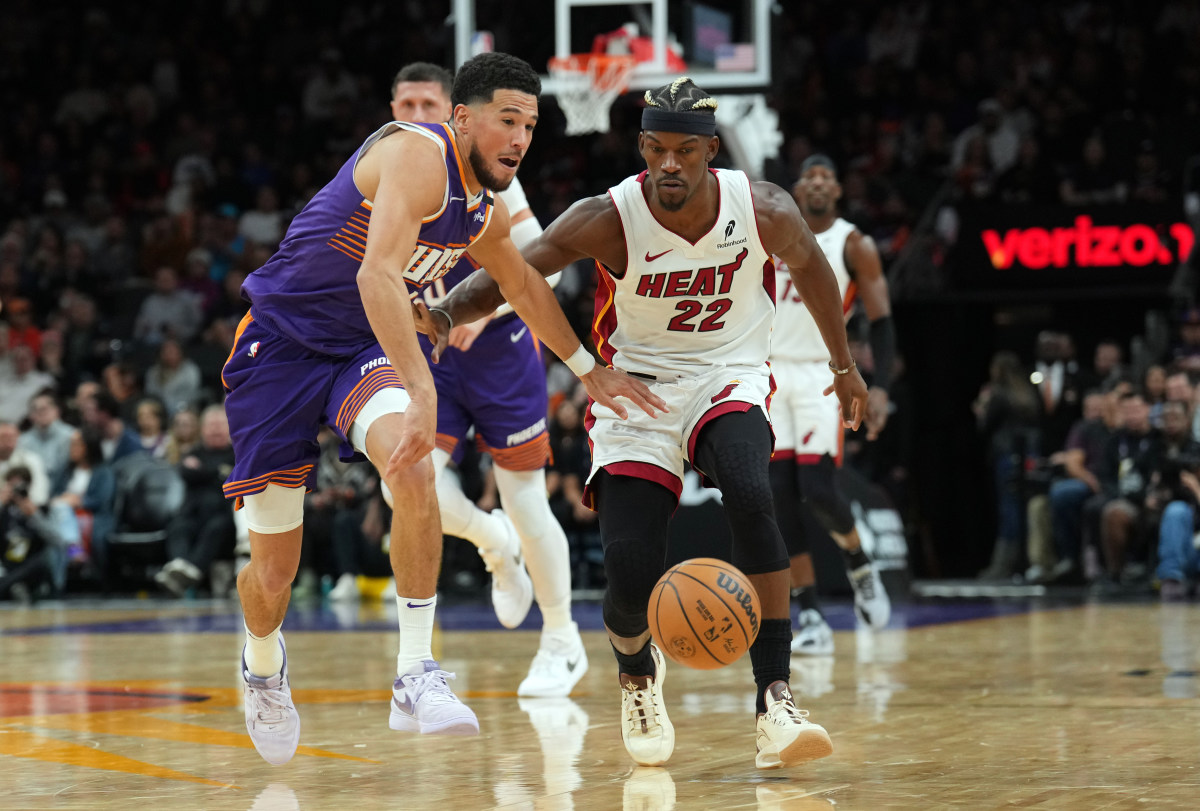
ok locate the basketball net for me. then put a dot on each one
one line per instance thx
(588, 84)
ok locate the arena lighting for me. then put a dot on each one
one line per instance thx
(1086, 245)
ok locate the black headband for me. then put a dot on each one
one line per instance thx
(818, 160)
(669, 121)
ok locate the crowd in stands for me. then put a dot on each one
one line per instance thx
(152, 156)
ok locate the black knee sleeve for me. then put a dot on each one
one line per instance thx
(785, 492)
(828, 505)
(633, 528)
(734, 451)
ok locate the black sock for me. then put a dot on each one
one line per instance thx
(856, 559)
(806, 598)
(636, 664)
(771, 656)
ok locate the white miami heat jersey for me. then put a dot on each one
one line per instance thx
(682, 307)
(796, 335)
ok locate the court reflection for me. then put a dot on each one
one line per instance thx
(649, 788)
(276, 797)
(877, 654)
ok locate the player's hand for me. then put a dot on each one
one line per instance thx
(852, 394)
(416, 436)
(605, 385)
(877, 412)
(435, 325)
(462, 337)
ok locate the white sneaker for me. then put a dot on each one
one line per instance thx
(871, 603)
(785, 735)
(271, 717)
(512, 590)
(813, 635)
(345, 590)
(423, 702)
(558, 666)
(648, 734)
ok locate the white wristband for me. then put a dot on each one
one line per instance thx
(581, 362)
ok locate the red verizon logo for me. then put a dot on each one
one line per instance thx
(1087, 246)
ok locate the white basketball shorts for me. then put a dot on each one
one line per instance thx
(807, 424)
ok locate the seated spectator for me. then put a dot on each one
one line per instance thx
(1154, 387)
(360, 540)
(21, 329)
(174, 379)
(204, 529)
(83, 500)
(102, 412)
(12, 456)
(53, 360)
(28, 542)
(122, 382)
(23, 381)
(198, 280)
(184, 435)
(1186, 352)
(152, 426)
(49, 438)
(167, 312)
(1094, 180)
(1178, 553)
(571, 462)
(263, 224)
(341, 488)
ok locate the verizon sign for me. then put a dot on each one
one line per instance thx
(1086, 244)
(1014, 247)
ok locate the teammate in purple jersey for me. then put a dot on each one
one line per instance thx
(493, 379)
(330, 339)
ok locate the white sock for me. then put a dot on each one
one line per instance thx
(416, 633)
(264, 654)
(547, 555)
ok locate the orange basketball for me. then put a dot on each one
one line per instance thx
(704, 613)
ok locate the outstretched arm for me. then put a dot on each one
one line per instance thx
(786, 235)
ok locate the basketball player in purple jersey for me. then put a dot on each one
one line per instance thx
(685, 298)
(329, 339)
(492, 377)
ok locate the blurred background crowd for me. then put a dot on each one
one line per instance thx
(152, 156)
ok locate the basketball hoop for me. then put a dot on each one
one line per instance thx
(588, 84)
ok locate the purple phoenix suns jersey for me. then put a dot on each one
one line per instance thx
(308, 291)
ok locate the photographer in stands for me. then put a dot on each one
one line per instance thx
(28, 542)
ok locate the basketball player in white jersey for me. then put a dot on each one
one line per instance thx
(808, 426)
(493, 379)
(685, 300)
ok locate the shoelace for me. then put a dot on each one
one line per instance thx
(866, 585)
(640, 710)
(432, 683)
(793, 713)
(270, 704)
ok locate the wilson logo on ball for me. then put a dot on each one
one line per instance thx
(743, 598)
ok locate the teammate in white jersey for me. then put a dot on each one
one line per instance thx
(808, 426)
(685, 299)
(497, 384)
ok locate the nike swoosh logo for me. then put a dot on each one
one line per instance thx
(516, 336)
(420, 605)
(572, 665)
(650, 258)
(406, 705)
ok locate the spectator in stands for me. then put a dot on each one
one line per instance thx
(570, 464)
(1154, 387)
(152, 426)
(48, 437)
(1006, 411)
(1133, 460)
(1094, 180)
(82, 503)
(1107, 364)
(174, 379)
(12, 456)
(341, 488)
(1149, 183)
(198, 280)
(122, 382)
(360, 542)
(23, 381)
(1178, 553)
(203, 531)
(27, 539)
(21, 329)
(103, 413)
(86, 347)
(168, 311)
(52, 359)
(1056, 376)
(184, 435)
(263, 224)
(330, 84)
(1186, 353)
(1030, 179)
(998, 141)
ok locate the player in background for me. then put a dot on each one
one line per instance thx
(329, 339)
(808, 426)
(493, 378)
(685, 299)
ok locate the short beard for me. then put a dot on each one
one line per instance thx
(483, 174)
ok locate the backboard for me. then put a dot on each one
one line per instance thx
(722, 43)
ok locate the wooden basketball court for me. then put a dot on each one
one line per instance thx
(962, 705)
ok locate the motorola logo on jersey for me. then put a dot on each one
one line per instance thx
(729, 228)
(1086, 245)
